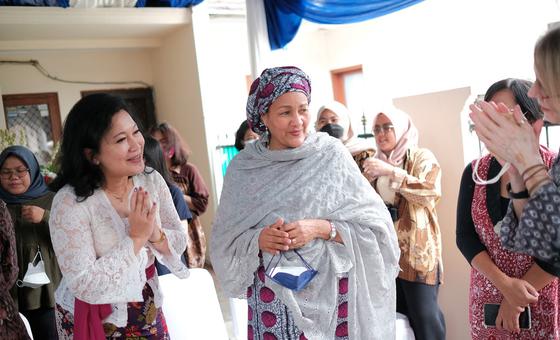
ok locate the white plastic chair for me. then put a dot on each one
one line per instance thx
(239, 312)
(404, 331)
(191, 306)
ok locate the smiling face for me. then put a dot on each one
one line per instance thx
(121, 148)
(384, 134)
(287, 120)
(14, 176)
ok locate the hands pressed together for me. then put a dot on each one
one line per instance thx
(507, 135)
(281, 236)
(141, 219)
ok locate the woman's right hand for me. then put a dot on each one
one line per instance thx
(273, 240)
(141, 217)
(519, 292)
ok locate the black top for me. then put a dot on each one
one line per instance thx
(466, 237)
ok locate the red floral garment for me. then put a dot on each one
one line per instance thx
(545, 317)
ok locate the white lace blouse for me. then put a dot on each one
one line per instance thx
(96, 255)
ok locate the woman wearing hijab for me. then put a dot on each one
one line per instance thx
(11, 325)
(335, 119)
(29, 201)
(408, 180)
(280, 208)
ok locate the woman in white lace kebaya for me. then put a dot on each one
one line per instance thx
(109, 220)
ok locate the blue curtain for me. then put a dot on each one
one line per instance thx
(39, 3)
(167, 3)
(283, 17)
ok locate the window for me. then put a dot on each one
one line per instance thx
(37, 116)
(348, 85)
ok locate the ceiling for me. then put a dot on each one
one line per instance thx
(25, 27)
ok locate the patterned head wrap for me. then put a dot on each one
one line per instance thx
(273, 83)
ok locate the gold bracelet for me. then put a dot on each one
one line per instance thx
(161, 238)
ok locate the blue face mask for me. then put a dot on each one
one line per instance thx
(294, 278)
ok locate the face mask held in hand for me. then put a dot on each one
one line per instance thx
(295, 278)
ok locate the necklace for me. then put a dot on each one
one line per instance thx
(118, 197)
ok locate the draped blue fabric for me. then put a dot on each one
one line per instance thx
(167, 3)
(40, 3)
(283, 17)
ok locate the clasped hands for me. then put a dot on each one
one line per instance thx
(518, 294)
(141, 218)
(281, 236)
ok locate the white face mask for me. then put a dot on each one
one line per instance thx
(476, 178)
(35, 276)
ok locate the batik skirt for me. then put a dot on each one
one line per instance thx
(145, 321)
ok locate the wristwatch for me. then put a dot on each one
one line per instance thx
(332, 234)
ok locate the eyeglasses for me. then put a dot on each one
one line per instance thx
(19, 172)
(385, 128)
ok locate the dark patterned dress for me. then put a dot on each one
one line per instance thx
(270, 319)
(145, 321)
(545, 316)
(11, 325)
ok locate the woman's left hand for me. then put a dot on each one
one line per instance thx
(374, 168)
(302, 232)
(32, 213)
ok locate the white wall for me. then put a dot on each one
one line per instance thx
(178, 101)
(86, 65)
(431, 120)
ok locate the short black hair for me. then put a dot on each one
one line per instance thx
(86, 124)
(519, 87)
(240, 135)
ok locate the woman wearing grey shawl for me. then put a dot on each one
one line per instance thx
(293, 191)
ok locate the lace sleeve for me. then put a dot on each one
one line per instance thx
(170, 222)
(110, 278)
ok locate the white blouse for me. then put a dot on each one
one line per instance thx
(96, 255)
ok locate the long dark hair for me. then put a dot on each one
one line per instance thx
(181, 151)
(153, 155)
(519, 88)
(85, 126)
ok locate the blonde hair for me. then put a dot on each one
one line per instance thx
(547, 64)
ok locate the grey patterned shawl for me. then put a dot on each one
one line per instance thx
(316, 180)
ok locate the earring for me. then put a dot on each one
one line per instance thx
(95, 162)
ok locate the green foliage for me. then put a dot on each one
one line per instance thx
(11, 137)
